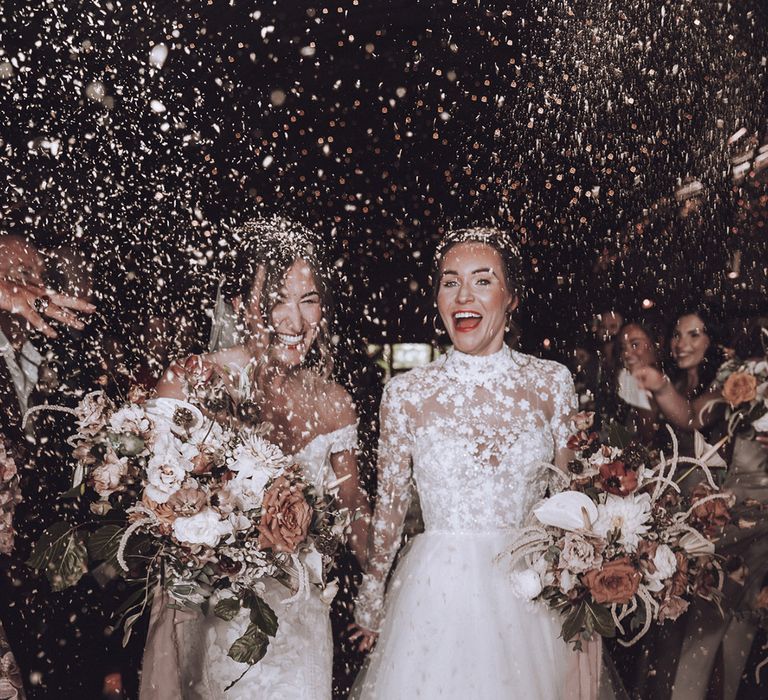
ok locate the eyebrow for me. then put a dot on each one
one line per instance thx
(313, 293)
(474, 272)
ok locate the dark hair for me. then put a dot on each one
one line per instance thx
(713, 357)
(277, 244)
(512, 264)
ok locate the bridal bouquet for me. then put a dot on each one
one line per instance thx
(620, 547)
(745, 392)
(182, 500)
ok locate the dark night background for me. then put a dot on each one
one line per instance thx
(381, 123)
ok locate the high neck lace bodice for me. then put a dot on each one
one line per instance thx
(475, 433)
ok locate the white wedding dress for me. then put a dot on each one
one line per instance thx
(475, 434)
(298, 663)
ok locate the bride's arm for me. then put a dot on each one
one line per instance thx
(564, 406)
(344, 463)
(392, 499)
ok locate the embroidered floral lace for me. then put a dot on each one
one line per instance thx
(475, 434)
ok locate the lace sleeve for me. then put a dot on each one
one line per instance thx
(564, 407)
(344, 439)
(393, 496)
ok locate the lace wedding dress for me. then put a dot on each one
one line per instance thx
(186, 653)
(475, 434)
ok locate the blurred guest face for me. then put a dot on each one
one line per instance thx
(637, 349)
(296, 312)
(690, 342)
(473, 299)
(610, 324)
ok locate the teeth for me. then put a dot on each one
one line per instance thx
(289, 339)
(467, 314)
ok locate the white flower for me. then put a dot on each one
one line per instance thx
(248, 491)
(666, 564)
(167, 468)
(329, 591)
(108, 475)
(628, 515)
(129, 419)
(90, 413)
(165, 413)
(605, 455)
(566, 510)
(261, 452)
(761, 424)
(526, 584)
(696, 544)
(567, 581)
(204, 527)
(578, 554)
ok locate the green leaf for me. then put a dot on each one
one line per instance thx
(262, 615)
(618, 435)
(104, 543)
(74, 492)
(61, 554)
(600, 620)
(227, 609)
(251, 647)
(574, 623)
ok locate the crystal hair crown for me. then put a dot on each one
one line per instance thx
(478, 234)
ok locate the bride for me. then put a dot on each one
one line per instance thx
(280, 373)
(474, 430)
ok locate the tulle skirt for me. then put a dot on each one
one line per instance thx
(454, 629)
(186, 654)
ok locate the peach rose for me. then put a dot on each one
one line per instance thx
(739, 388)
(182, 504)
(285, 518)
(711, 515)
(680, 577)
(672, 608)
(616, 582)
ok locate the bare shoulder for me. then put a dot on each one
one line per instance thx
(337, 407)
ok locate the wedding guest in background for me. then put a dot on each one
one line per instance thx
(606, 326)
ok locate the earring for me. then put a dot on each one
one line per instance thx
(438, 331)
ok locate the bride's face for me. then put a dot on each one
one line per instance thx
(295, 314)
(473, 298)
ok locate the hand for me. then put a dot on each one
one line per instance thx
(650, 379)
(367, 637)
(21, 299)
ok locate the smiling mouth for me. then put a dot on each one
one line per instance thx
(289, 340)
(465, 321)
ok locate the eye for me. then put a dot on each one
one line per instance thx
(449, 283)
(483, 282)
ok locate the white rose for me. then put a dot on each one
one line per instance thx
(666, 564)
(204, 527)
(526, 584)
(129, 419)
(248, 491)
(166, 470)
(566, 510)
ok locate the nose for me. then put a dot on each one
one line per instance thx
(290, 319)
(464, 294)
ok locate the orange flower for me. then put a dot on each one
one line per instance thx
(739, 388)
(285, 518)
(616, 582)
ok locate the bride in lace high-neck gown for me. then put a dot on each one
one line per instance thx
(281, 374)
(475, 430)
